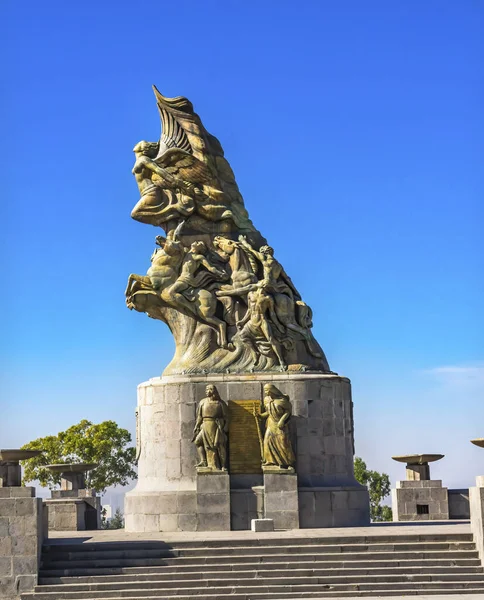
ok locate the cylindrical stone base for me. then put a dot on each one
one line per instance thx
(165, 497)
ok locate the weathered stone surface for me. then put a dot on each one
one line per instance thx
(21, 537)
(322, 461)
(420, 500)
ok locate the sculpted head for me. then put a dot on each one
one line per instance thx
(198, 247)
(211, 391)
(146, 148)
(267, 250)
(273, 392)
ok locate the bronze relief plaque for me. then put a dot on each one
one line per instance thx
(245, 437)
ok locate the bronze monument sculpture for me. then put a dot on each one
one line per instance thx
(213, 280)
(247, 420)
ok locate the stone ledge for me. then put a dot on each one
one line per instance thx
(234, 377)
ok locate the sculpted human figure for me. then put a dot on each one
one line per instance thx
(277, 448)
(160, 200)
(256, 324)
(275, 278)
(210, 433)
(165, 264)
(191, 278)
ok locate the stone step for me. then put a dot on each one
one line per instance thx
(140, 562)
(281, 564)
(238, 582)
(382, 592)
(163, 552)
(261, 541)
(260, 573)
(262, 591)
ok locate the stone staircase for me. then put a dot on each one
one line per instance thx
(260, 568)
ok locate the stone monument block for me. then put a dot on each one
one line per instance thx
(281, 502)
(213, 501)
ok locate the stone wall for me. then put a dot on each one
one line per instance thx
(164, 498)
(21, 537)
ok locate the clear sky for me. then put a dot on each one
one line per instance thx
(355, 131)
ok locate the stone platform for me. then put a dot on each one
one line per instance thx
(324, 492)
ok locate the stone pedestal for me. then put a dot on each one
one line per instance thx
(420, 501)
(74, 510)
(213, 501)
(281, 503)
(165, 496)
(21, 536)
(476, 506)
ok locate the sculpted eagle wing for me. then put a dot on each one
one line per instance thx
(184, 166)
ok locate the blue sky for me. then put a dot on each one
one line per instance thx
(355, 131)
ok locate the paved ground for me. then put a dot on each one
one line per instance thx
(115, 535)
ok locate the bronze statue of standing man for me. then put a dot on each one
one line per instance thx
(210, 433)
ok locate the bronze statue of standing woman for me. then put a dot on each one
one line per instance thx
(277, 448)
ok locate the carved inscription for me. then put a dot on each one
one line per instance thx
(245, 437)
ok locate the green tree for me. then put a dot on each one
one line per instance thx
(116, 522)
(104, 443)
(379, 488)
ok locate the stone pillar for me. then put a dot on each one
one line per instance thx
(281, 498)
(213, 501)
(73, 481)
(21, 537)
(417, 472)
(476, 506)
(10, 474)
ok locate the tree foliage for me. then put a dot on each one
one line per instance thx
(379, 488)
(104, 443)
(116, 522)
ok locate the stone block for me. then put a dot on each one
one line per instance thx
(167, 522)
(26, 583)
(24, 506)
(280, 482)
(262, 525)
(25, 565)
(186, 503)
(340, 500)
(4, 527)
(211, 483)
(7, 507)
(213, 522)
(286, 519)
(5, 566)
(187, 522)
(213, 503)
